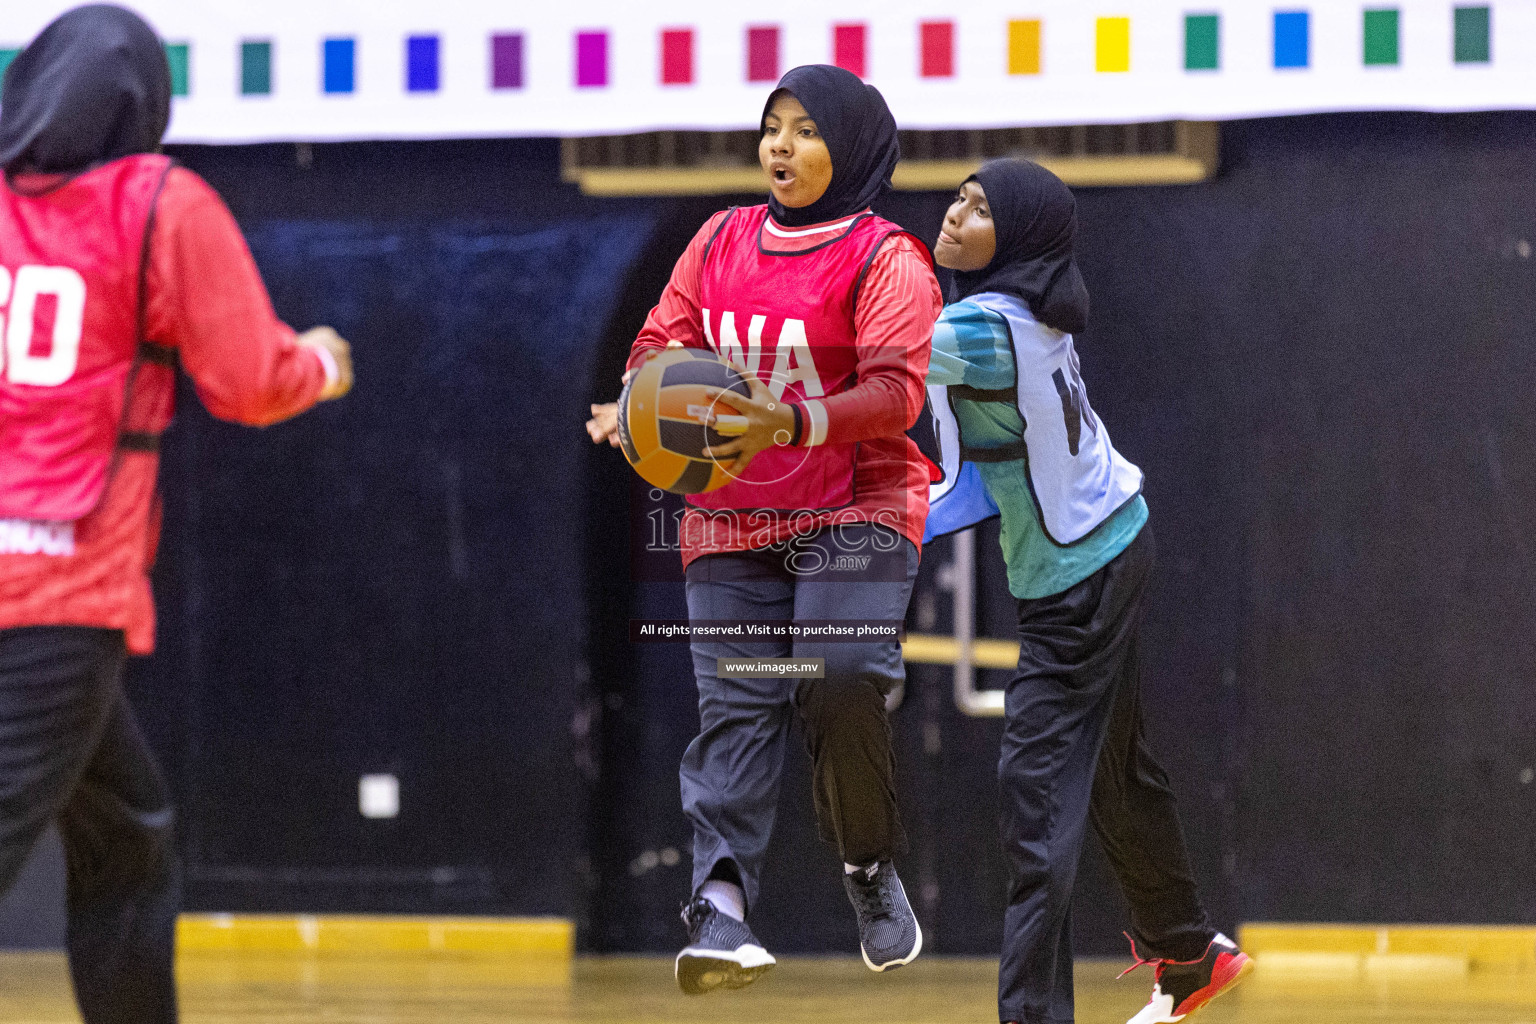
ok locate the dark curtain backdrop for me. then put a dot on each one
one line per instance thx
(1322, 359)
(394, 582)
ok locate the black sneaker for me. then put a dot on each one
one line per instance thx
(888, 932)
(721, 951)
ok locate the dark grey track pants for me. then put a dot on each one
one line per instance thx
(730, 772)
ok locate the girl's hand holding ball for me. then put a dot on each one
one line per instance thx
(769, 422)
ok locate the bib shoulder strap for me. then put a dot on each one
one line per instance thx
(147, 351)
(710, 245)
(869, 261)
(144, 250)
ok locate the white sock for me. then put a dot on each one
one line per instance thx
(726, 897)
(849, 869)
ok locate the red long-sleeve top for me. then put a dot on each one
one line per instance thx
(893, 324)
(206, 300)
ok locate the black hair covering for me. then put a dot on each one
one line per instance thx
(94, 85)
(1035, 217)
(860, 134)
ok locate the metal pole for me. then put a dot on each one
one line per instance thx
(962, 582)
(963, 579)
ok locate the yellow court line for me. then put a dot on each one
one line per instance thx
(325, 933)
(1381, 947)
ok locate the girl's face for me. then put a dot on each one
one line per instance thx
(968, 240)
(793, 154)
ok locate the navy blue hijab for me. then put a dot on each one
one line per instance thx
(1035, 217)
(860, 134)
(94, 85)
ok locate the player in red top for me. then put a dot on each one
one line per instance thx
(828, 310)
(114, 265)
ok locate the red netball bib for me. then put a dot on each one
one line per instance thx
(71, 269)
(787, 317)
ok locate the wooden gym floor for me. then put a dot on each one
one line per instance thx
(286, 988)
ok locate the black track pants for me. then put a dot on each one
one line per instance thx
(1073, 751)
(70, 751)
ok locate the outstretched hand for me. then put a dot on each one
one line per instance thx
(770, 422)
(604, 424)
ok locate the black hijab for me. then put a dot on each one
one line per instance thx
(860, 134)
(93, 86)
(1035, 217)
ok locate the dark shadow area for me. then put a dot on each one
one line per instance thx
(393, 583)
(32, 910)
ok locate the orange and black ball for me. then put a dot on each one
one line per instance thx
(664, 420)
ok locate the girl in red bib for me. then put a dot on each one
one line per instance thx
(828, 309)
(115, 266)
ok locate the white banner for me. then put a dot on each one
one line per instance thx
(320, 70)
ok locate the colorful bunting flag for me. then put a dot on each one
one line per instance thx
(629, 68)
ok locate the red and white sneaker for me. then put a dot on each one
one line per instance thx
(1182, 987)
